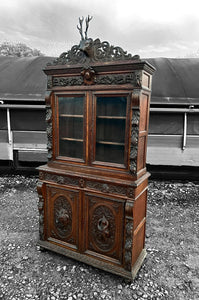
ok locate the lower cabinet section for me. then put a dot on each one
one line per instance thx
(102, 230)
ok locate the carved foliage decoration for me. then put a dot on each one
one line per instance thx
(128, 235)
(116, 79)
(134, 137)
(59, 179)
(67, 81)
(93, 185)
(89, 77)
(62, 216)
(128, 245)
(102, 228)
(93, 51)
(49, 82)
(49, 131)
(41, 210)
(106, 188)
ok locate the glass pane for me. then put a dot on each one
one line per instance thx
(111, 106)
(71, 126)
(110, 129)
(71, 105)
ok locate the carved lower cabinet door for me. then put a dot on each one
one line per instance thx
(104, 227)
(62, 216)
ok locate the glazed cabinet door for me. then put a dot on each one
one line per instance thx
(62, 216)
(70, 127)
(111, 113)
(104, 222)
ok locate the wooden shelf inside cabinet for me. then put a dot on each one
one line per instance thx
(111, 117)
(71, 139)
(70, 116)
(110, 143)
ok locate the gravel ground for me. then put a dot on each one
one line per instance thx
(170, 271)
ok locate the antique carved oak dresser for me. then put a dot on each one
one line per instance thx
(93, 190)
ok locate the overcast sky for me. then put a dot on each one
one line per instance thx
(150, 28)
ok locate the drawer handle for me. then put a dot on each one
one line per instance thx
(63, 218)
(103, 225)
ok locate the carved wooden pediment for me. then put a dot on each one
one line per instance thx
(99, 52)
(90, 50)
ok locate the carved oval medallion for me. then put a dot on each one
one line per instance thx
(62, 216)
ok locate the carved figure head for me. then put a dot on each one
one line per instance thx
(86, 44)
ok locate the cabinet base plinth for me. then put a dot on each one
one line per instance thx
(118, 270)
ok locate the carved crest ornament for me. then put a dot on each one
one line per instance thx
(90, 50)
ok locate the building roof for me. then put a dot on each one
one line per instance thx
(22, 79)
(175, 81)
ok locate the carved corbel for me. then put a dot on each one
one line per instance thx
(138, 77)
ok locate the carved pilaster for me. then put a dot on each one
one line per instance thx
(128, 235)
(134, 133)
(49, 130)
(41, 210)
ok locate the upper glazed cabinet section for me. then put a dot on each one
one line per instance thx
(97, 106)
